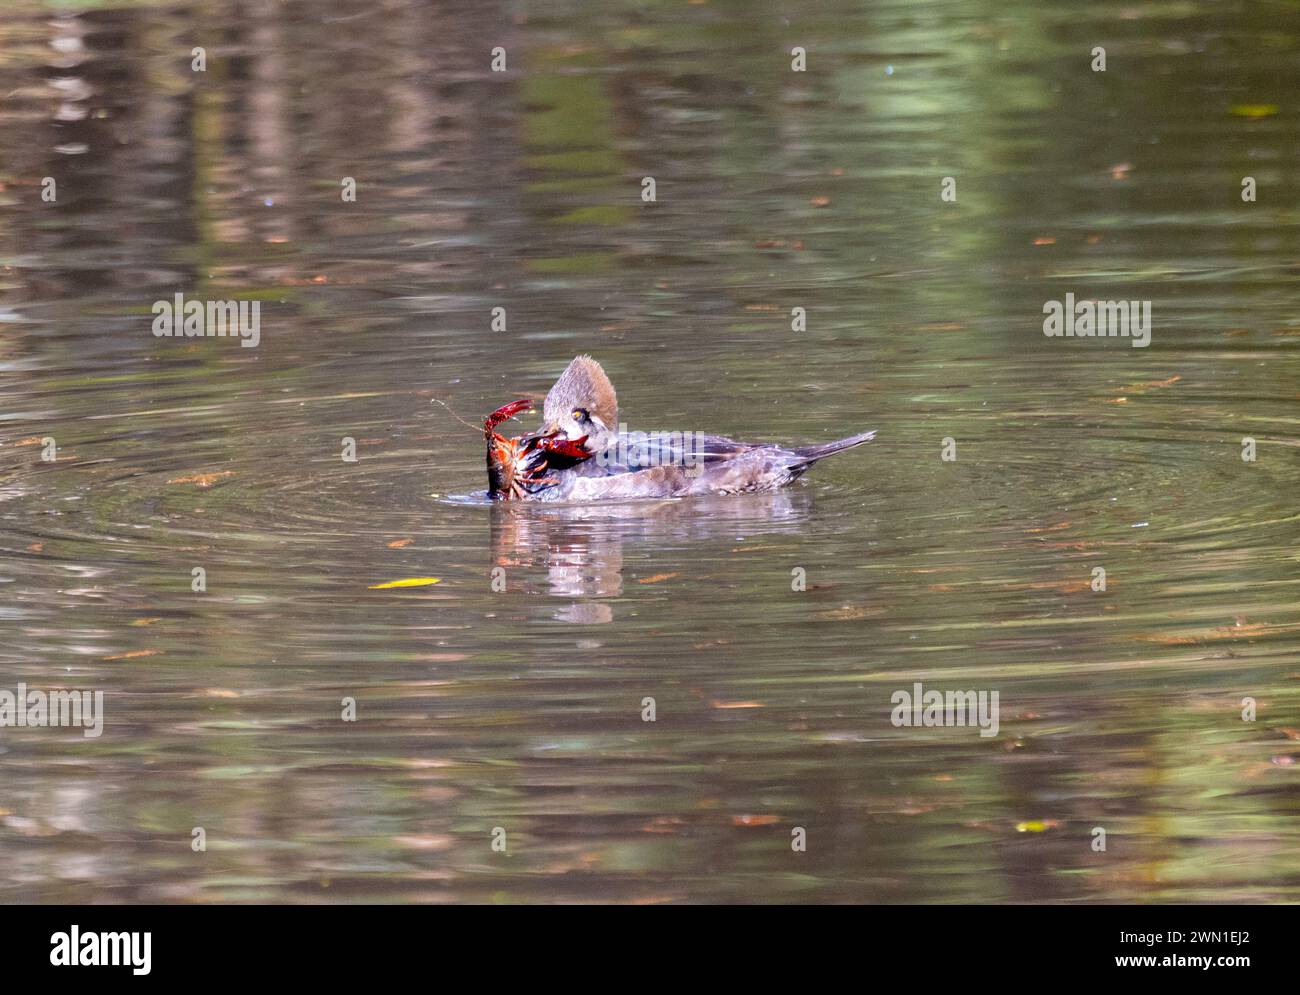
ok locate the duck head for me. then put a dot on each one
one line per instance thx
(581, 408)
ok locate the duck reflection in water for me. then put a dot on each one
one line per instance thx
(576, 551)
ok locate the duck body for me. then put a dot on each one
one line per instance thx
(710, 464)
(581, 454)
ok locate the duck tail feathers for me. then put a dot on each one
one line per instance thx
(810, 454)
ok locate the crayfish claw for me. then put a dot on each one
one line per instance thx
(572, 448)
(506, 411)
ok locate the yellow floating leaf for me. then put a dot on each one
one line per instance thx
(406, 582)
(1255, 111)
(1036, 825)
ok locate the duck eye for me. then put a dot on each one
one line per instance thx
(579, 414)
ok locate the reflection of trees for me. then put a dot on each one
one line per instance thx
(169, 178)
(523, 190)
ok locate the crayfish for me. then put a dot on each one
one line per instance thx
(517, 466)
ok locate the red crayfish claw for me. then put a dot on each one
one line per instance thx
(505, 411)
(572, 448)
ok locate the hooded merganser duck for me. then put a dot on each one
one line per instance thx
(580, 453)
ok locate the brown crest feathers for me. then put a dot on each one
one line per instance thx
(583, 384)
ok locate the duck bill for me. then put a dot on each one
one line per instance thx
(547, 431)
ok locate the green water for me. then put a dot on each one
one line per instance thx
(522, 709)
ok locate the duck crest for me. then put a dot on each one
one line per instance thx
(582, 384)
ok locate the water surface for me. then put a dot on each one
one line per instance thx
(522, 708)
